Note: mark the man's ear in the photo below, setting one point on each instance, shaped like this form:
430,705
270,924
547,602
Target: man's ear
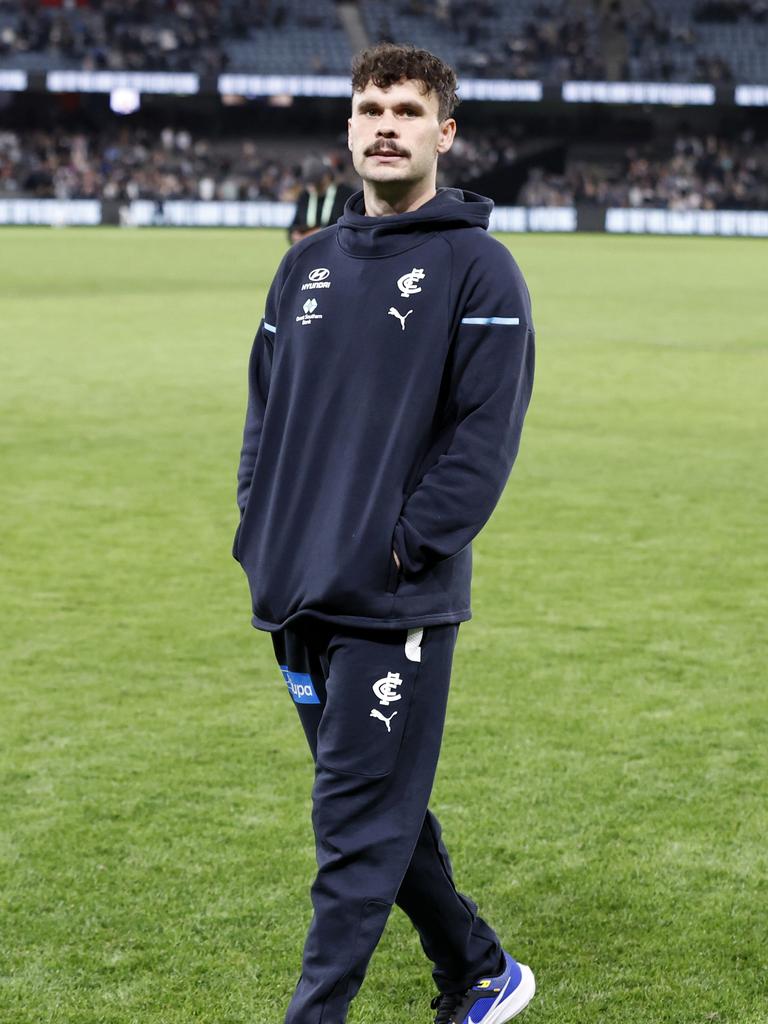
447,135
349,134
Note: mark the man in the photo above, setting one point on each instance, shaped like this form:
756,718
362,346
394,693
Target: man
320,203
387,388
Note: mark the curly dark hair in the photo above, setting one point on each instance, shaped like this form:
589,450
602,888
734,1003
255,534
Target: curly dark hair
388,63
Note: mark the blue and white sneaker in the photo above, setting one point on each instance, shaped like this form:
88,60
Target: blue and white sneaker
490,1000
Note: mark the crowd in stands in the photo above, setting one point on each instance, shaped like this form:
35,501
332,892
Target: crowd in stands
706,173
661,47
173,165
242,16
473,154
546,39
141,35
136,164
554,41
648,40
698,173
551,47
176,35
130,35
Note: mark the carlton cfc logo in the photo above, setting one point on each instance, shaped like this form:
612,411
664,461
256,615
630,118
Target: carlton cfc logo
408,282
385,688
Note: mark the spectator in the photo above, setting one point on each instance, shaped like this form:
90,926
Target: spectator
320,202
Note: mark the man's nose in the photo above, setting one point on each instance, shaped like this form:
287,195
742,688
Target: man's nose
387,126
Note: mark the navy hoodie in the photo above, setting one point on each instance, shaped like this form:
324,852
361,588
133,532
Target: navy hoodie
388,383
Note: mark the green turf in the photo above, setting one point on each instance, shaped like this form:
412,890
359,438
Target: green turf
603,778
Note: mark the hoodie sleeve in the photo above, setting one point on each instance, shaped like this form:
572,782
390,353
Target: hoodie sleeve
491,378
259,372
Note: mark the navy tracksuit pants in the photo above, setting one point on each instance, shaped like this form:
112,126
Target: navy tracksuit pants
372,704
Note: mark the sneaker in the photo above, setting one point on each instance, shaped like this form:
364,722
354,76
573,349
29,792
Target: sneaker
490,1000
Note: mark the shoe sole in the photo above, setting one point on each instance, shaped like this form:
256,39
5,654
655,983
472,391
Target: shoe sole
517,1001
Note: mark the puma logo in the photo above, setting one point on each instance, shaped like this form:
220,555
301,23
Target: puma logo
375,713
393,312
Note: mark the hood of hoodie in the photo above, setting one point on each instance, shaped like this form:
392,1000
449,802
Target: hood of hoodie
374,237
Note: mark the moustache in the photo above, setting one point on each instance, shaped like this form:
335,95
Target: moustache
385,147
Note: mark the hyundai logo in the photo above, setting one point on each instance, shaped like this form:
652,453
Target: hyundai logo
318,274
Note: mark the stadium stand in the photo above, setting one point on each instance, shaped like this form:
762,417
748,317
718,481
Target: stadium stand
678,40
288,36
138,164
689,172
112,34
696,173
551,40
175,35
530,39
172,164
233,149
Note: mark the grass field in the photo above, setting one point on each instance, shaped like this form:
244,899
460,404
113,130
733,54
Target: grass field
602,785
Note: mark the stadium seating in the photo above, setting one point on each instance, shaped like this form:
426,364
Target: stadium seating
675,40
297,40
688,46
493,40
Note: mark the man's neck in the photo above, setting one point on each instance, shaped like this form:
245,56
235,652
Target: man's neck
383,201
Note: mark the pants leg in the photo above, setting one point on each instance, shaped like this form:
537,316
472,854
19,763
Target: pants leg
373,713
461,945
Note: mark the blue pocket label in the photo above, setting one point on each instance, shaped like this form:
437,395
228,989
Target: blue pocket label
300,686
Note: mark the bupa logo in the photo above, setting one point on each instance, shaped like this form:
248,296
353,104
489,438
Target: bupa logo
317,278
300,686
408,283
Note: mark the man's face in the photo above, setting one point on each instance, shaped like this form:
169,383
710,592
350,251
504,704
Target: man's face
395,135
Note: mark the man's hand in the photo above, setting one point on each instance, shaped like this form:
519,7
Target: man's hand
397,560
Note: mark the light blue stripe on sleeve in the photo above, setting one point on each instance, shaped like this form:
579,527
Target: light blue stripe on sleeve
269,327
491,320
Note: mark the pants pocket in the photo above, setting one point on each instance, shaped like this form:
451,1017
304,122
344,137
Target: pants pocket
369,691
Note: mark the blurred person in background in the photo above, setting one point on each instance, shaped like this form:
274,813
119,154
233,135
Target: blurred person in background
321,201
